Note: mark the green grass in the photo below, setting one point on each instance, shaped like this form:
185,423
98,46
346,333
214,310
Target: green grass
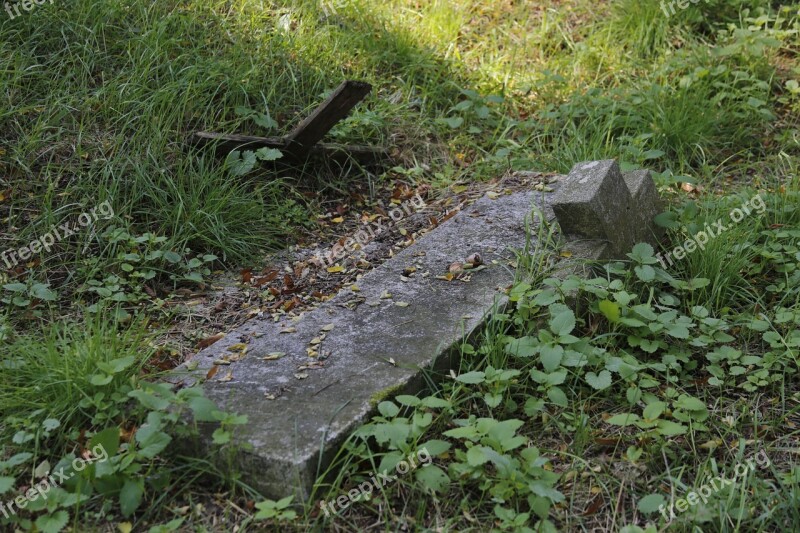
98,100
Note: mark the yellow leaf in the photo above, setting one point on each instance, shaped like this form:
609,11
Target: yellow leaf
238,347
327,327
337,268
493,195
125,527
337,220
565,253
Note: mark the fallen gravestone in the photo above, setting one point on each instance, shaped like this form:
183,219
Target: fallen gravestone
379,341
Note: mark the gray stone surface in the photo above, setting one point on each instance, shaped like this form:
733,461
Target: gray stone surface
301,408
376,350
597,203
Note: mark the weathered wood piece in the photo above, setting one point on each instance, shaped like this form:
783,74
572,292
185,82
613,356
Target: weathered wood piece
225,144
303,141
311,130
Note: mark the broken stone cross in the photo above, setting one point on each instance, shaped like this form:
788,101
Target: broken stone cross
610,209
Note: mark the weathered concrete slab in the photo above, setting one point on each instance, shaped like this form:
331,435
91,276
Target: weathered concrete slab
598,204
379,341
375,350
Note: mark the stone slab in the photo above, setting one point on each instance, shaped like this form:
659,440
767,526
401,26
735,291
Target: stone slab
375,348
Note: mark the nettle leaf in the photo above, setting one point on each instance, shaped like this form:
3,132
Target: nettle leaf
642,253
669,428
645,272
679,331
452,122
435,447
690,403
650,503
599,381
551,355
388,409
241,163
523,347
432,478
667,219
6,484
563,323
623,419
472,377
654,410
52,523
268,154
558,397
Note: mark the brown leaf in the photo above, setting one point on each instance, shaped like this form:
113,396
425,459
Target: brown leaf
212,372
208,341
247,275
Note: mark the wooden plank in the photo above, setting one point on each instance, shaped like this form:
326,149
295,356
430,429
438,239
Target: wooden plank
225,144
311,130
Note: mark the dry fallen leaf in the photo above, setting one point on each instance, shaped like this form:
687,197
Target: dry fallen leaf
327,327
227,377
337,268
385,295
208,341
273,356
238,347
401,304
301,375
337,220
212,372
291,329
315,340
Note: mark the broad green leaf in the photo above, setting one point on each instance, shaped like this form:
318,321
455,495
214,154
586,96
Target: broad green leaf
130,497
551,356
563,323
268,154
108,439
623,419
599,382
388,409
472,377
6,484
610,310
432,478
654,410
52,523
650,503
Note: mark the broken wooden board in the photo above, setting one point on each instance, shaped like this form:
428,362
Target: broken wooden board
304,141
225,144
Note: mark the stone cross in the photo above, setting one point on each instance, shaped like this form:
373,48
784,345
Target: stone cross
599,203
